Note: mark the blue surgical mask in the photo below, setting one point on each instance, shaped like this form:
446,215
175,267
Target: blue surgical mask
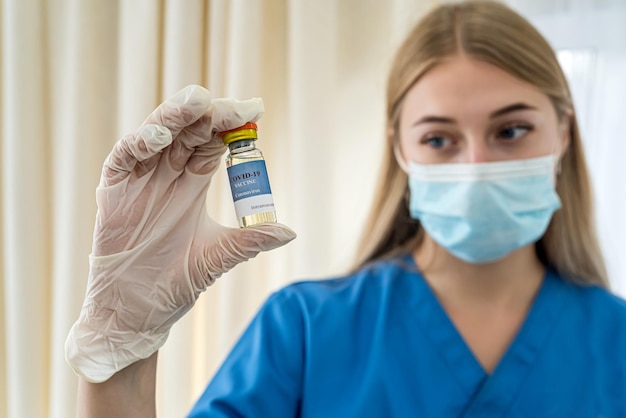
483,211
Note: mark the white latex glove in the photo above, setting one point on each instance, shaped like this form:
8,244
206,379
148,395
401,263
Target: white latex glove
155,248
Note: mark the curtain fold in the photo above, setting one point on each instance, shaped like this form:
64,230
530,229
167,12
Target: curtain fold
77,75
589,35
3,354
26,224
82,58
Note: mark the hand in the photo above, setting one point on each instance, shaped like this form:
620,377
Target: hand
155,248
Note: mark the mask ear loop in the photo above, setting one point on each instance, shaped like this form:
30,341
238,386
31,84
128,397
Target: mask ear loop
556,165
403,167
558,154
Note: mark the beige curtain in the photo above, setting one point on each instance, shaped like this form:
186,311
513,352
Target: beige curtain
77,74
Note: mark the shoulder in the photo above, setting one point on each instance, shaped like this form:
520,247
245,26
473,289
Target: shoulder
605,302
596,303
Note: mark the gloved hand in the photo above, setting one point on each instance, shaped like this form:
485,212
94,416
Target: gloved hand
155,248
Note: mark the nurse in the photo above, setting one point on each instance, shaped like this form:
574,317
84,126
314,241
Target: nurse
480,289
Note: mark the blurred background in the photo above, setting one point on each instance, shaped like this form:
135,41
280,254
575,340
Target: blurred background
78,74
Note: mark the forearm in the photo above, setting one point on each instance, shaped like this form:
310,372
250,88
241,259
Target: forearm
128,393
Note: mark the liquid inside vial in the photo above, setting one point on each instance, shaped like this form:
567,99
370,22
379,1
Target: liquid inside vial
245,168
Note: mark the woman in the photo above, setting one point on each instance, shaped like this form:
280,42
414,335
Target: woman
480,289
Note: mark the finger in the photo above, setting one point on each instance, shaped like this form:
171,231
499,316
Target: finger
199,146
182,109
206,158
190,138
132,150
230,113
222,115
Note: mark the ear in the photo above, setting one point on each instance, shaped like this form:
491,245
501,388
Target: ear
393,142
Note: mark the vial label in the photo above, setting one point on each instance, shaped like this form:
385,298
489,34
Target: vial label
250,188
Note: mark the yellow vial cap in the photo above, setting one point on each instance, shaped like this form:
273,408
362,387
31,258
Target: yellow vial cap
247,131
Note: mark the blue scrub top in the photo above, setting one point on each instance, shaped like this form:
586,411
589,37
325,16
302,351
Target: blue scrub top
379,344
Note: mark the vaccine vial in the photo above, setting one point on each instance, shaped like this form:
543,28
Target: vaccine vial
247,174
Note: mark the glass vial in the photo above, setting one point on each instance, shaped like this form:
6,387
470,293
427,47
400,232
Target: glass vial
247,175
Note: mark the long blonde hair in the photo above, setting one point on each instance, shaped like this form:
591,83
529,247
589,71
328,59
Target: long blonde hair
493,33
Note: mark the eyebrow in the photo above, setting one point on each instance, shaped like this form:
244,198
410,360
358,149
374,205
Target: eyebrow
507,109
511,108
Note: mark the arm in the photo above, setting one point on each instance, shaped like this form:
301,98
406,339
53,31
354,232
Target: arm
128,393
261,376
156,248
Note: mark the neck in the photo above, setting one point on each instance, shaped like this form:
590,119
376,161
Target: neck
511,281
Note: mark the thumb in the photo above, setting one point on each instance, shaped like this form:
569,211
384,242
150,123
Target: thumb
262,237
236,245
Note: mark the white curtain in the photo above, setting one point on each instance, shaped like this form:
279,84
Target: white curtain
77,74
590,37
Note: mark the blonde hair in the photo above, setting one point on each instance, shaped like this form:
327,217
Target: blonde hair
493,33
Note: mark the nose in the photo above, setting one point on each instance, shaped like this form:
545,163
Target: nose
477,151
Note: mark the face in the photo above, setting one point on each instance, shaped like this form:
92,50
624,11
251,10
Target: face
469,111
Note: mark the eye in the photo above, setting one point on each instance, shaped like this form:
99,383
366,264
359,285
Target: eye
436,141
514,132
